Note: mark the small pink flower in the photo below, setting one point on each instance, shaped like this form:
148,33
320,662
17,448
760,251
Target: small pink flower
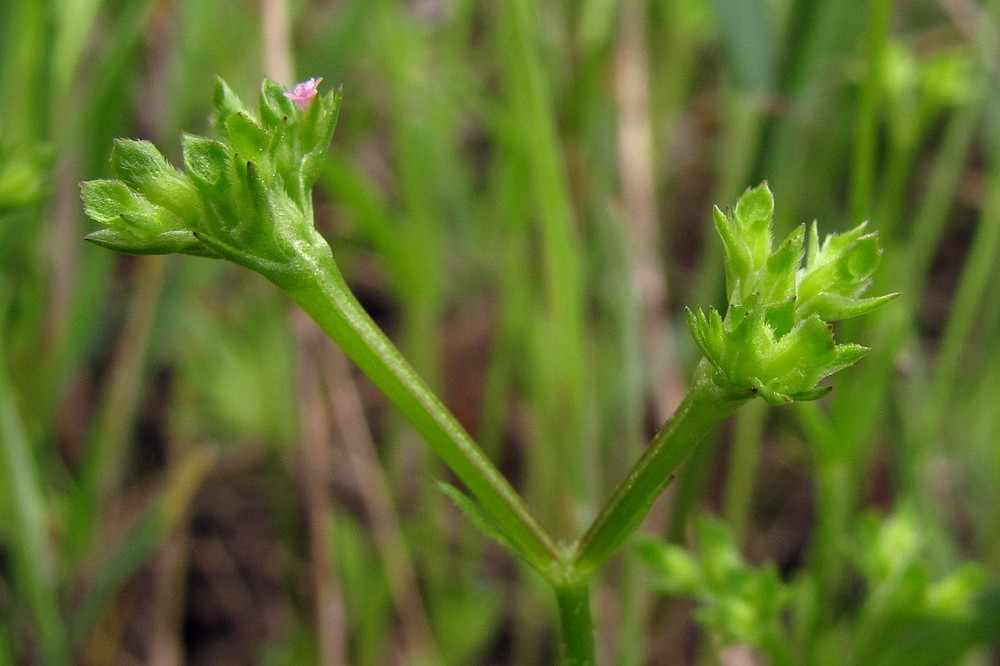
303,92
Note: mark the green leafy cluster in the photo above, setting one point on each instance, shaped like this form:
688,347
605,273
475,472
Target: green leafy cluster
246,198
891,554
741,603
776,340
909,614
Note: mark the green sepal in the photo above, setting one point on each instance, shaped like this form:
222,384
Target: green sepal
168,242
277,218
135,163
134,224
141,167
249,139
104,200
708,333
208,163
316,131
274,106
225,103
782,265
221,182
752,217
835,307
320,120
781,316
737,254
838,272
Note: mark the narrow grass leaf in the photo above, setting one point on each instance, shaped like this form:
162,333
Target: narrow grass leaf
148,533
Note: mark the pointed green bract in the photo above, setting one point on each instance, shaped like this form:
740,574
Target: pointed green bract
482,520
275,108
134,224
208,162
836,274
141,167
245,197
775,340
225,103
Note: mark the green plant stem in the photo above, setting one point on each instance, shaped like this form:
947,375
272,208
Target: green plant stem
704,406
321,291
576,624
836,497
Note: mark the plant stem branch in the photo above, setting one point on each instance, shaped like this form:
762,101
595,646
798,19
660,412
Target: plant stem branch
320,289
704,406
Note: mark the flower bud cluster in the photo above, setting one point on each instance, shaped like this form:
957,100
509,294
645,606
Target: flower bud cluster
246,198
776,340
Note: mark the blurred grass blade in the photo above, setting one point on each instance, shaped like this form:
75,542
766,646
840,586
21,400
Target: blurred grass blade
29,520
7,655
23,27
73,25
558,336
147,534
749,37
107,443
973,289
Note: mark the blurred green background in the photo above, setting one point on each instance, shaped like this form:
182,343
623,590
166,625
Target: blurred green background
521,194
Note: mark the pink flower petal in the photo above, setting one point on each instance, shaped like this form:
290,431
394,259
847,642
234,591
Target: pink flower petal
303,92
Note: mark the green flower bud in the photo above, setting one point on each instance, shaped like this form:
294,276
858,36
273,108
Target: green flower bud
775,340
246,197
751,265
134,224
837,274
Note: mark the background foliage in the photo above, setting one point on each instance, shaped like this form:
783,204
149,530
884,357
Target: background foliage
521,194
